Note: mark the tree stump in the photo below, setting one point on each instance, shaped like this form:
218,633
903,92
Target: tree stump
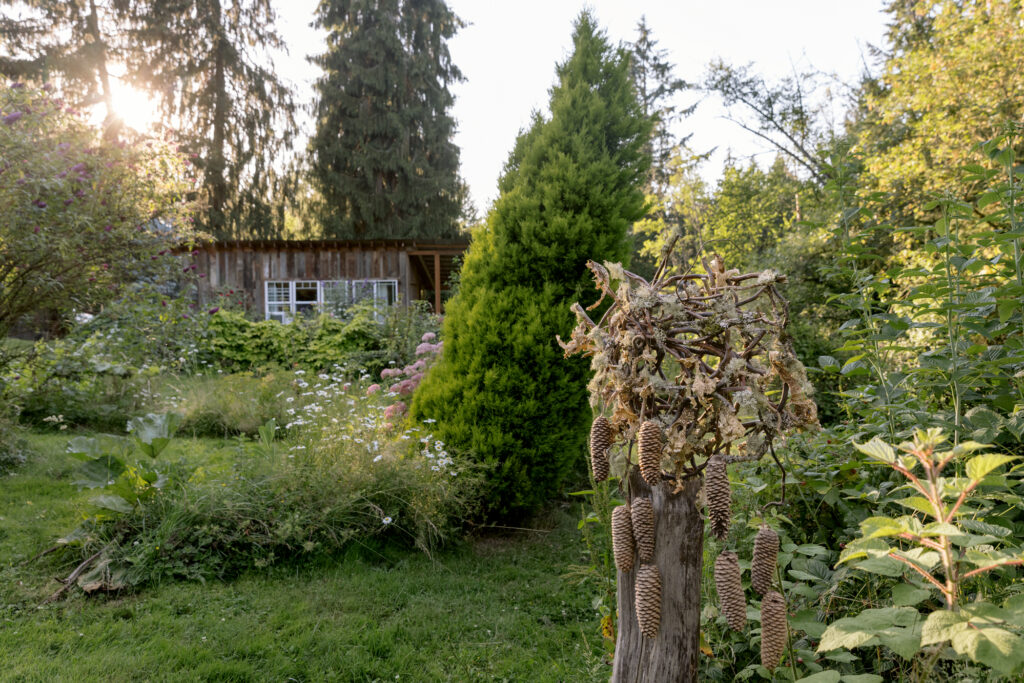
679,554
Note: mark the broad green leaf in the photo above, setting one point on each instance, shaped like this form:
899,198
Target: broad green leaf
153,432
1014,608
115,503
828,676
905,595
862,678
84,448
941,529
898,628
807,621
984,557
921,557
878,449
98,472
918,503
995,647
981,465
1006,308
864,547
881,527
941,625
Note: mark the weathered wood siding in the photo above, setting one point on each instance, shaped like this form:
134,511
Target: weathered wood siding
246,266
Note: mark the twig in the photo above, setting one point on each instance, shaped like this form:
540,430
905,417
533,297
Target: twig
73,576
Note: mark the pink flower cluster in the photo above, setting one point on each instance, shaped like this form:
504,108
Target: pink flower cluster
409,377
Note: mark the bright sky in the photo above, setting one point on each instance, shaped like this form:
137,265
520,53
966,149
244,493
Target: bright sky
509,50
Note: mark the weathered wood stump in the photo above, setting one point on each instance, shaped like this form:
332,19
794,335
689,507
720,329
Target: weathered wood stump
679,543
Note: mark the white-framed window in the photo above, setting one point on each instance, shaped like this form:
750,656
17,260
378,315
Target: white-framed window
286,299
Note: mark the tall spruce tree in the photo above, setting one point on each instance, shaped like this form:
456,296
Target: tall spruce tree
572,186
236,115
382,155
657,86
208,62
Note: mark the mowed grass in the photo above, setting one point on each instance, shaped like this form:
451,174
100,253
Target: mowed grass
494,608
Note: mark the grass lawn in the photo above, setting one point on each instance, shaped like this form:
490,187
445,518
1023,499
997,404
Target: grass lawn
492,609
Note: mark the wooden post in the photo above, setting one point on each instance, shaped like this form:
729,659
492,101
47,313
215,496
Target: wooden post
671,657
437,283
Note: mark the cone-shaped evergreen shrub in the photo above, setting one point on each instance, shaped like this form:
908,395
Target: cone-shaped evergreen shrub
572,186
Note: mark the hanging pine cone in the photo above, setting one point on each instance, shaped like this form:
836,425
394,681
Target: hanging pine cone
643,528
718,496
622,538
648,599
649,445
773,630
600,442
762,567
730,590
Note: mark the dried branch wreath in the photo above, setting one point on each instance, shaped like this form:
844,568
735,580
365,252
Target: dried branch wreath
694,360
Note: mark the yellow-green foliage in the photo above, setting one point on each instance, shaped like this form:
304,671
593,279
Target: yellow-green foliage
322,342
502,391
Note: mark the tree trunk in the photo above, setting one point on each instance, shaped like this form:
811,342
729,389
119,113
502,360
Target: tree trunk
678,554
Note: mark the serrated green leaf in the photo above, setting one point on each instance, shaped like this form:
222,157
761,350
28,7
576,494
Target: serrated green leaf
877,449
979,466
110,502
898,628
98,472
881,527
905,595
918,503
941,625
995,647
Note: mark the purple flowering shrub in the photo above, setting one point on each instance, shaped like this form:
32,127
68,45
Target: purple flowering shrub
80,215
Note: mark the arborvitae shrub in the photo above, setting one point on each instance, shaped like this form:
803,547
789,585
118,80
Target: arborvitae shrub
502,391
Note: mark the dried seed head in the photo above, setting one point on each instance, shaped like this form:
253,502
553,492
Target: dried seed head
762,567
622,538
648,599
718,495
600,442
649,443
730,590
773,630
643,528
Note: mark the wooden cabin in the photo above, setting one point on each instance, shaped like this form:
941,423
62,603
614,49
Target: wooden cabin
284,278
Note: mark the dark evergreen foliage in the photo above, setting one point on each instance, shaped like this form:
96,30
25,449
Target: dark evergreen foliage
572,186
209,62
45,39
382,155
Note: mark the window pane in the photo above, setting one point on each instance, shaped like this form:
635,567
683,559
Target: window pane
305,291
387,292
279,312
362,290
277,292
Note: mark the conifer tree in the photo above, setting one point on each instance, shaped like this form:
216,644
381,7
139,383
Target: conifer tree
236,115
382,155
572,186
207,62
44,39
